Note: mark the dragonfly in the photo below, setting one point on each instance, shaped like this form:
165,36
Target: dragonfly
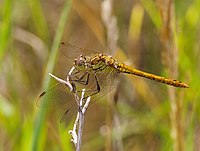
98,73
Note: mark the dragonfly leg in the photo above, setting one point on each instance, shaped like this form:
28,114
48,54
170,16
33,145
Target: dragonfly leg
92,91
81,79
84,80
73,72
97,84
70,112
75,77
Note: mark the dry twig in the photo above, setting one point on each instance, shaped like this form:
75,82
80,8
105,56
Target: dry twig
82,107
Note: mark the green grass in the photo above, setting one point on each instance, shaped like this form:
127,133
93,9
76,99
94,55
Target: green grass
5,26
50,67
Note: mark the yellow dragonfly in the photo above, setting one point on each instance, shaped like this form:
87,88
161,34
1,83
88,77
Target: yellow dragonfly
97,73
104,66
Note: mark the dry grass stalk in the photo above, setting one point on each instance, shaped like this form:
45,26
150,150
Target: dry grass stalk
170,60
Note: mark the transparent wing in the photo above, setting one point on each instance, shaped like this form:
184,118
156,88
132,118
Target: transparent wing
59,97
72,51
53,95
69,113
107,80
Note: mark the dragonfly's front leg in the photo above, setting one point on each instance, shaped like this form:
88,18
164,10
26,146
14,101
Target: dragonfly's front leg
92,92
83,79
75,75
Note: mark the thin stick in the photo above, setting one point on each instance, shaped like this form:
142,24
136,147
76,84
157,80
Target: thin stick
79,122
67,83
73,132
82,110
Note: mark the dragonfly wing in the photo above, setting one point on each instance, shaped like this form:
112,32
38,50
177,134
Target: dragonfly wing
72,51
53,95
69,114
59,96
106,79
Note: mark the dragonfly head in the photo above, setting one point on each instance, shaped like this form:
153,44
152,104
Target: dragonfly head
80,61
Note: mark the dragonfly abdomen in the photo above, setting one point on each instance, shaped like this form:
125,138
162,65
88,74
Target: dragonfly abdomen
126,69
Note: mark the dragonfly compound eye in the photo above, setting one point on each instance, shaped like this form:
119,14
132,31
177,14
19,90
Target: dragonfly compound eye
79,61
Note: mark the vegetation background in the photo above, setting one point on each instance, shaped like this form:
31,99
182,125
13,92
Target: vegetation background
160,37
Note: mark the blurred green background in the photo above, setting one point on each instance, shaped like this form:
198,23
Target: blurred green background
161,37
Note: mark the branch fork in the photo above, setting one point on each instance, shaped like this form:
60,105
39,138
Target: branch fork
82,105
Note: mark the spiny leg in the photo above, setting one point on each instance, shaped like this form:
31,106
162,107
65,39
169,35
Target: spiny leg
93,91
84,82
75,77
